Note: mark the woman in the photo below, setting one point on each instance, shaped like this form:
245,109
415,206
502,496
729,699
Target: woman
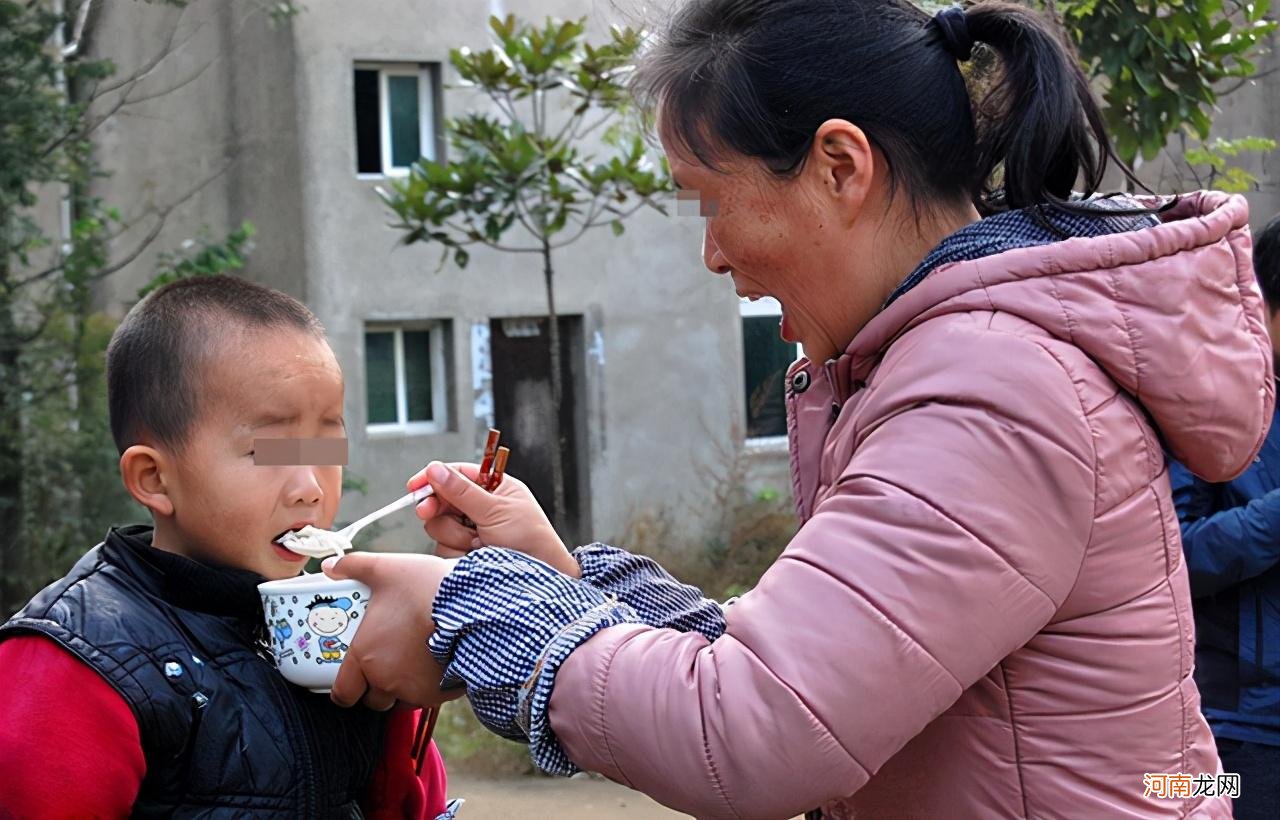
985,612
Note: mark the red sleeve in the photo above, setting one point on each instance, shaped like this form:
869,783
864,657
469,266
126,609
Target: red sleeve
396,792
69,744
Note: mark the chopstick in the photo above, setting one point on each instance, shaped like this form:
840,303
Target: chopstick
490,452
487,462
499,469
422,737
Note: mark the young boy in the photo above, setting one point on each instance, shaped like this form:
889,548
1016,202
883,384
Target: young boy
140,682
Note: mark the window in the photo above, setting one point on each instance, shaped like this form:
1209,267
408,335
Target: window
765,359
406,388
395,117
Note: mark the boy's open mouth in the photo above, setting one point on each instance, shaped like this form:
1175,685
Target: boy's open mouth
283,537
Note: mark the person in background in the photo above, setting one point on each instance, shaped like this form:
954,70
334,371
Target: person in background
1231,537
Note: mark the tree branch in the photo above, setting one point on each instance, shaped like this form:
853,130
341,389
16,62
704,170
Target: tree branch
169,48
1243,81
586,226
579,135
161,214
570,128
28,338
127,85
183,84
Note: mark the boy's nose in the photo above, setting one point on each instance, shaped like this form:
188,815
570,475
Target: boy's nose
305,488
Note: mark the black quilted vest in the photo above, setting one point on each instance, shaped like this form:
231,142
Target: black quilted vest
223,733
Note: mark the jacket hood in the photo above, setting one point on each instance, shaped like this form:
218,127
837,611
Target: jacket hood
1172,313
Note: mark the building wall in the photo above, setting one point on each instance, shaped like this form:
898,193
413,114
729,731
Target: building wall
660,318
276,106
265,123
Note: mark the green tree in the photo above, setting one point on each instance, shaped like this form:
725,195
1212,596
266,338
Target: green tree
532,170
58,482
1162,66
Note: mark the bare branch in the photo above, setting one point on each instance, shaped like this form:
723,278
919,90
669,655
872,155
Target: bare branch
1190,168
504,102
586,226
161,214
126,84
483,241
524,216
28,338
184,83
158,58
577,135
1243,81
570,127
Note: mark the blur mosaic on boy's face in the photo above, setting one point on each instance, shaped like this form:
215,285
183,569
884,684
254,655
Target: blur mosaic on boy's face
229,509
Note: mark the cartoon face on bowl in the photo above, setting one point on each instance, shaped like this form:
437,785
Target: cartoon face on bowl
329,618
311,620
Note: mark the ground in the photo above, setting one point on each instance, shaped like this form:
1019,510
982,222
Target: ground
533,798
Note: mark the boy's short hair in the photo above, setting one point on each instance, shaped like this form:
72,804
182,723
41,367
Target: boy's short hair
156,354
1266,262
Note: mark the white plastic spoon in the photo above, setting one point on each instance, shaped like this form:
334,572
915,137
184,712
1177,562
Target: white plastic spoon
317,543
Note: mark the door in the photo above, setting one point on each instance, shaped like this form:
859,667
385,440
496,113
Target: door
520,350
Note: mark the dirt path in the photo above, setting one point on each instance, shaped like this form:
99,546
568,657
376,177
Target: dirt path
535,798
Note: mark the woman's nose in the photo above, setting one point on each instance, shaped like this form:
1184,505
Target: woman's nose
711,255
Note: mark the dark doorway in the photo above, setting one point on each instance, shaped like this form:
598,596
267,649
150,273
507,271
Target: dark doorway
520,350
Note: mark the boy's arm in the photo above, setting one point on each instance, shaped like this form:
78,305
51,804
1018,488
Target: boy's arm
396,791
69,744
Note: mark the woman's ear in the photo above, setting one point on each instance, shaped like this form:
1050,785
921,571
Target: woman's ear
143,470
845,162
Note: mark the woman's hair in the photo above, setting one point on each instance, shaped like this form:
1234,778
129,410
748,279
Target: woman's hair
1266,262
758,77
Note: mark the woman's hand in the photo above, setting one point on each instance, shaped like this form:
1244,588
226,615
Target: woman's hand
508,517
388,660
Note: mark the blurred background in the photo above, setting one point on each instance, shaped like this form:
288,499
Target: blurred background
460,192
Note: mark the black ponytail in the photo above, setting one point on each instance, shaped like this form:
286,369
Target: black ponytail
758,77
1039,124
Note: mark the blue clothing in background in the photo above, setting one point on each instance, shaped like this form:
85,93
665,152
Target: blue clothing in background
1231,538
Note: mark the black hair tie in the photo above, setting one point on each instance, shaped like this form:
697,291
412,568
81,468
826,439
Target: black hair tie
955,32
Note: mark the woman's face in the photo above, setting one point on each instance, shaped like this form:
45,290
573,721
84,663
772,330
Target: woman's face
797,239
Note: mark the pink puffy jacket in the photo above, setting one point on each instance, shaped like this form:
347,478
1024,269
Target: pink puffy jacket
985,613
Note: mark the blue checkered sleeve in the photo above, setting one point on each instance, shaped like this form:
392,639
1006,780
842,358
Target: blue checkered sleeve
657,597
505,623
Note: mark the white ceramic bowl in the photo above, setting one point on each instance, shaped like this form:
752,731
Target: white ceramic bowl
311,620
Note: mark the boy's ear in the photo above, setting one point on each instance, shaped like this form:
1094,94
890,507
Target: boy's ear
143,470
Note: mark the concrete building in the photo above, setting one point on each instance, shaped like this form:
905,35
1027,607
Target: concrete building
293,127
274,124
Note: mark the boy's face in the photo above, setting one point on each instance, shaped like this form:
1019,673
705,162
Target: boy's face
227,509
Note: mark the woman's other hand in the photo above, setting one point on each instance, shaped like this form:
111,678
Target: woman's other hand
388,659
508,517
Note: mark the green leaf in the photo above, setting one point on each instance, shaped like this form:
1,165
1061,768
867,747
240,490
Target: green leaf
461,257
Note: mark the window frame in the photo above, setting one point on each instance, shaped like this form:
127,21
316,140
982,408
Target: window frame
439,380
427,147
762,308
